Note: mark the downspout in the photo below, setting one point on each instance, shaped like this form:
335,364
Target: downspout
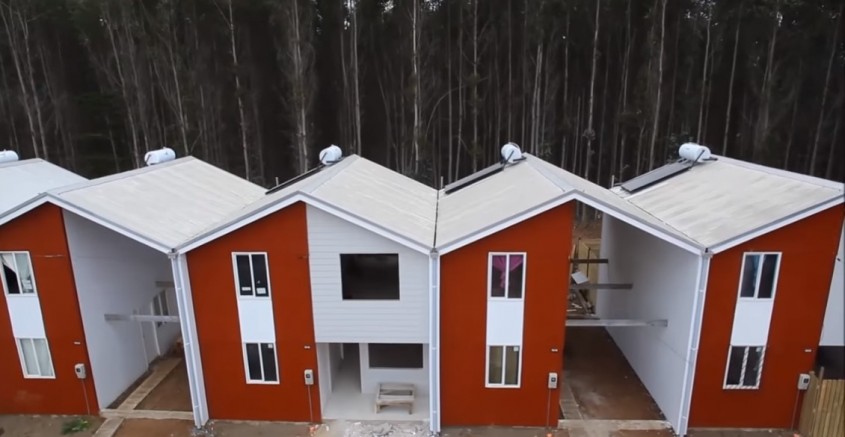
196,385
434,341
694,340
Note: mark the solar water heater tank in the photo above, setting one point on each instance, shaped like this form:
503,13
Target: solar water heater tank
511,153
8,156
154,157
694,152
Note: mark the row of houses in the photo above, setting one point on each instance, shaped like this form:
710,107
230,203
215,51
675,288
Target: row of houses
352,284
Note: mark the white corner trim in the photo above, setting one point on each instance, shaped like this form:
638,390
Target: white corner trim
786,221
434,343
693,343
193,361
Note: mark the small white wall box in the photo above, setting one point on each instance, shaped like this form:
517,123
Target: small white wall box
309,377
803,381
80,371
552,379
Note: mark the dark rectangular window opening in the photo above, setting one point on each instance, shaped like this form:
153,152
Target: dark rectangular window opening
370,276
395,356
261,362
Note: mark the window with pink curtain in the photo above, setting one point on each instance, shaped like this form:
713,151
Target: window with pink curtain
506,275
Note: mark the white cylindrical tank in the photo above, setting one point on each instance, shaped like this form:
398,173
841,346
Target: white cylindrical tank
693,152
164,154
330,155
8,156
511,152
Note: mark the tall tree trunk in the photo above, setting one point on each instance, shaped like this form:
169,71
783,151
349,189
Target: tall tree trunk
564,112
238,92
762,127
656,115
698,135
589,133
833,45
831,152
731,82
415,31
474,98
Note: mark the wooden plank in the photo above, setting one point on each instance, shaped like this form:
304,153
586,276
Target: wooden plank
615,322
808,405
589,261
141,318
589,286
821,411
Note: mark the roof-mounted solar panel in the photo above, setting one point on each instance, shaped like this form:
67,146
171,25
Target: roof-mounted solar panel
473,178
655,176
295,179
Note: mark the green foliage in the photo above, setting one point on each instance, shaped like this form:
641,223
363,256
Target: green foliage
75,425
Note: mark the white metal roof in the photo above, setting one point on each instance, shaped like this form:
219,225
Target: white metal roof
164,204
362,190
20,181
528,187
720,201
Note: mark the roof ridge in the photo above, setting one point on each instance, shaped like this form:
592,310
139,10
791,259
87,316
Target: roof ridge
783,173
122,175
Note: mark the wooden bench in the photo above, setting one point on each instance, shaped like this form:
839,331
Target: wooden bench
392,393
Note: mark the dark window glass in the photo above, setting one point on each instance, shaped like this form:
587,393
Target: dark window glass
370,276
512,365
244,275
268,356
253,361
735,366
498,267
516,267
494,369
767,276
259,272
752,366
395,356
11,280
749,275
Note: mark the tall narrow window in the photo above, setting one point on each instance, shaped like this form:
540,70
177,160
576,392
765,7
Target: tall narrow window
759,275
35,358
251,274
261,362
17,275
160,306
503,366
507,278
745,367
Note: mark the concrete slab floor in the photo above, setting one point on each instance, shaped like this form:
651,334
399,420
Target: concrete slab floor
603,383
171,394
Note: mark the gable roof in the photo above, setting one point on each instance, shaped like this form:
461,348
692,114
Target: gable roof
23,180
161,205
527,188
357,190
721,203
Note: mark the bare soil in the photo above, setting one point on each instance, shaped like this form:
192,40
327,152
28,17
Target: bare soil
493,431
43,426
604,384
171,394
149,427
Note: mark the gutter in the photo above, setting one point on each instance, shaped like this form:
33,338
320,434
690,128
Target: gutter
696,322
434,328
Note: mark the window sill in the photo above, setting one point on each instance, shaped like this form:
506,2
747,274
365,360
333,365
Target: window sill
263,382
38,377
502,386
741,387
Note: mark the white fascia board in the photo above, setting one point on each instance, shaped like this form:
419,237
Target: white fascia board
613,212
309,200
693,343
503,224
763,230
61,203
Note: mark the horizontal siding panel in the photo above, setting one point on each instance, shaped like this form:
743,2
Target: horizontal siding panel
335,320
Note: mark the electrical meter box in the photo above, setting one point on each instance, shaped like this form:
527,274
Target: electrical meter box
80,371
552,379
803,381
309,377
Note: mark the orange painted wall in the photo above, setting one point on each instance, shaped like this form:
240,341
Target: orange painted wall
42,233
465,400
283,235
809,248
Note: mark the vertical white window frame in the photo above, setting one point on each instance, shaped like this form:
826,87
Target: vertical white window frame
29,343
261,363
507,275
487,382
759,276
160,306
740,386
236,275
14,255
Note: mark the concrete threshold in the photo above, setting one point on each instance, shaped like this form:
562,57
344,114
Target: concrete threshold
613,425
147,414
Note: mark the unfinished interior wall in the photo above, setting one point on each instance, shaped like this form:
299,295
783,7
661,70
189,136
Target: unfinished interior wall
324,373
663,278
113,275
371,377
359,321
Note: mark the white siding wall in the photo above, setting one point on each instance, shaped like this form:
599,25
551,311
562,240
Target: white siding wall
363,321
370,378
324,373
833,330
664,279
114,275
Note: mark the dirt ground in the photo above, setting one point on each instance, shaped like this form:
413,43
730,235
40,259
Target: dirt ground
42,426
172,394
604,385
